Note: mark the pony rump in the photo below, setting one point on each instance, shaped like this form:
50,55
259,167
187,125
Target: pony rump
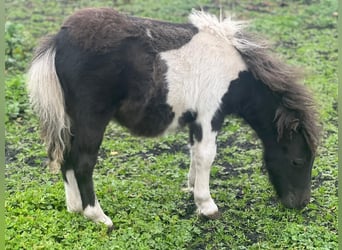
47,100
297,109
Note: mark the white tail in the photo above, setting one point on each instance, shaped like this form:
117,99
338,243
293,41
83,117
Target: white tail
47,100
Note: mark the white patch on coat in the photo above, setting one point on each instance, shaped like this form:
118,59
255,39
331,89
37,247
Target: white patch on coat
96,214
72,193
148,33
199,74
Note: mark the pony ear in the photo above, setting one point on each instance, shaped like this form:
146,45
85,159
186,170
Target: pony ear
294,125
287,122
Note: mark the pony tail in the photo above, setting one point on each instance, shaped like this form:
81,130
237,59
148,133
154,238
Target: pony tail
47,100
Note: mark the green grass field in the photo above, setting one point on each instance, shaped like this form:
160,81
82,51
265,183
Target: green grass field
139,181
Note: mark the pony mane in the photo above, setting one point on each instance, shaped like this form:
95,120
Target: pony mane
297,108
225,29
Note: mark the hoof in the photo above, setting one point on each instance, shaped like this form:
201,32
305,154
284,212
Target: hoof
110,229
208,209
96,214
213,216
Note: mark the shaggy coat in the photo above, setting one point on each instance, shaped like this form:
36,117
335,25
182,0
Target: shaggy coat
153,76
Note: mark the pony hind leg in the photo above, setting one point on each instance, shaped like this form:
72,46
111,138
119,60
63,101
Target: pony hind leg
72,192
78,169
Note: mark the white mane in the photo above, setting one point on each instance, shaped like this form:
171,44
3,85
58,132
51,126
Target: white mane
227,28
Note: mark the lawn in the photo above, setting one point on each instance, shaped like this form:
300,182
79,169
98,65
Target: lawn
139,181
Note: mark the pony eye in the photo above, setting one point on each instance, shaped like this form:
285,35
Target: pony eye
298,162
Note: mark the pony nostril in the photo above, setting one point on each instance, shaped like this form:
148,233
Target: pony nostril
303,203
291,201
298,162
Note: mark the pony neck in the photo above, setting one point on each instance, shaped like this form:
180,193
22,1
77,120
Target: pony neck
252,100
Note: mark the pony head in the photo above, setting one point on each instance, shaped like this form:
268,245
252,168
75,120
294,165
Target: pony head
289,164
290,149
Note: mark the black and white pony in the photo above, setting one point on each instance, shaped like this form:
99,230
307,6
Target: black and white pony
153,76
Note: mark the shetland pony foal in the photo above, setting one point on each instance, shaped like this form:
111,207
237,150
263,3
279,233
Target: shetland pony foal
151,76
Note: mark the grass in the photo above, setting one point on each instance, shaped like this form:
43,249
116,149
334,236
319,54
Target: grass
139,181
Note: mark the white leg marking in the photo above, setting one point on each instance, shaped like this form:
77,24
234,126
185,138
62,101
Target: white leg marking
96,214
204,153
72,193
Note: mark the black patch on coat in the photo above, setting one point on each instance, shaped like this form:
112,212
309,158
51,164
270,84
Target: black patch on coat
187,118
144,110
164,35
103,29
253,101
195,129
195,132
108,64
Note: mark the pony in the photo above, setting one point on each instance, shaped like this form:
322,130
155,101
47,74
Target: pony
153,76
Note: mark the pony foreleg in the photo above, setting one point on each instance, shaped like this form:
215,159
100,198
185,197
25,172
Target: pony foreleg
192,173
203,154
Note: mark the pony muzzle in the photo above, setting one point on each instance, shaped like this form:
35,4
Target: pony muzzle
296,200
